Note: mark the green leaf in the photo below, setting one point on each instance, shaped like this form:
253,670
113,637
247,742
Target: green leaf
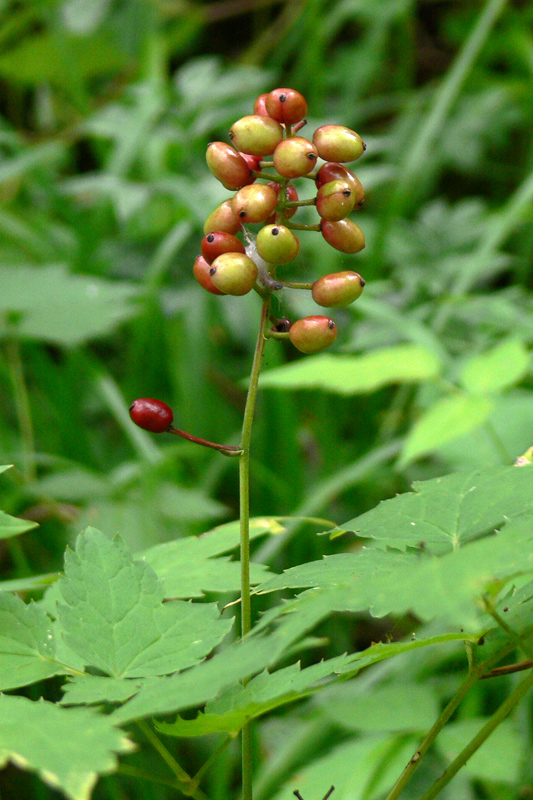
115,619
89,689
394,707
500,757
189,567
27,644
68,748
12,526
445,421
51,304
349,375
450,510
496,369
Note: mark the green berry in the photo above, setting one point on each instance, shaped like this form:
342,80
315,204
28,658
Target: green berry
201,271
335,200
228,166
223,218
295,157
337,143
218,242
332,171
254,203
277,244
313,334
256,135
343,235
233,273
338,289
286,105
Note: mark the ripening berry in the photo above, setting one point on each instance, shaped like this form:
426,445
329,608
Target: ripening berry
344,235
337,143
332,171
286,105
254,162
218,242
228,166
254,203
223,218
260,106
152,415
256,135
283,325
277,244
201,273
338,289
335,200
295,157
233,273
313,334
292,195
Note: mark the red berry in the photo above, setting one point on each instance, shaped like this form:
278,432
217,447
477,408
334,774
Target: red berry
152,415
254,162
337,143
260,107
313,334
256,135
201,273
338,289
343,235
286,105
218,242
335,200
254,203
295,157
332,171
228,166
223,218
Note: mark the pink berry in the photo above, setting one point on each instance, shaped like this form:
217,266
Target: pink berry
313,334
343,235
338,289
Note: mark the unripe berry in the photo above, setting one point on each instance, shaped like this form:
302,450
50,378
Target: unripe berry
254,203
291,194
223,218
228,166
277,244
295,157
201,273
332,171
313,334
233,273
152,415
338,289
344,235
286,105
256,135
337,143
335,200
218,242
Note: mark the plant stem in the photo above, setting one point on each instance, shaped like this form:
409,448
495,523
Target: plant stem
22,407
473,676
225,449
504,710
244,496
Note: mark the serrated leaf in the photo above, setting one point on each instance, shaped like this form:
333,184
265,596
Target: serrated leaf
189,567
27,645
68,748
115,619
445,421
349,375
450,510
90,689
12,526
497,369
53,305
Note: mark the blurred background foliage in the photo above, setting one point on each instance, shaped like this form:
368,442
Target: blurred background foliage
106,108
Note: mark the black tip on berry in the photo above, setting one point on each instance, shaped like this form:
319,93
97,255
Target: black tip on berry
347,192
132,405
212,270
311,157
331,324
282,97
242,214
231,135
210,237
363,282
275,231
364,146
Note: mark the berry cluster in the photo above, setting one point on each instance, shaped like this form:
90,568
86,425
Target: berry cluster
228,265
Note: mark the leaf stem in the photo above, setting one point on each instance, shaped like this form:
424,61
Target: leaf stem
244,496
225,449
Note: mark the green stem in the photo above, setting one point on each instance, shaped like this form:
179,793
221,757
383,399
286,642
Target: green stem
244,495
297,285
187,784
296,227
22,407
504,710
473,676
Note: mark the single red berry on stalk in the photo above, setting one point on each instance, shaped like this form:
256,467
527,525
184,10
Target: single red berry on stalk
218,242
295,157
152,415
286,105
313,334
228,166
343,235
338,289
